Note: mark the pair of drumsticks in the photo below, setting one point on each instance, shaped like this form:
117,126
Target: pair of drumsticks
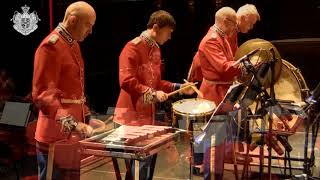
192,85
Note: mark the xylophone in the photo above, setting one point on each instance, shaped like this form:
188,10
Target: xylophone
129,135
135,142
130,143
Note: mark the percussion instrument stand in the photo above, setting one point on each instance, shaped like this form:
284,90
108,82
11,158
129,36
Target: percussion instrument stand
306,164
266,101
287,157
315,128
191,158
246,113
272,102
309,162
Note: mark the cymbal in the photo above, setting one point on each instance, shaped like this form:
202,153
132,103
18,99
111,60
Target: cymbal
262,56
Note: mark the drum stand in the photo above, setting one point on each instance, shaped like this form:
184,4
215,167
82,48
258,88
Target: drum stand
266,101
191,151
189,131
189,127
314,118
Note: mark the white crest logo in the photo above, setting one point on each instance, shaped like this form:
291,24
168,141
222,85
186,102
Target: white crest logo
25,23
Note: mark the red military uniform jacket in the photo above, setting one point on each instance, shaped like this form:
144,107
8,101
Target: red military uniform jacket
233,41
139,71
216,59
58,84
195,73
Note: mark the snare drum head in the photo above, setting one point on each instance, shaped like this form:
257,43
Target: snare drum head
193,106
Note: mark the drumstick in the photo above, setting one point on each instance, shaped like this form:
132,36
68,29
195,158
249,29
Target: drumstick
183,88
195,89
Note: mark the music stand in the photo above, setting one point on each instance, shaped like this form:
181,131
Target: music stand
16,114
312,110
216,130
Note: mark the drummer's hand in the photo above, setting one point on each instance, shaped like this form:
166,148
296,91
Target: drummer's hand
161,96
84,130
236,106
96,123
187,91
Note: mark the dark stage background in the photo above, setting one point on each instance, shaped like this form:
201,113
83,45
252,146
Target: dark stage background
119,21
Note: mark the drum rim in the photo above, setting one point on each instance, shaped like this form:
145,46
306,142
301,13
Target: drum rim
297,74
193,114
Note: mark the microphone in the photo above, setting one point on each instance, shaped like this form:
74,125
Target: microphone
255,87
314,95
246,56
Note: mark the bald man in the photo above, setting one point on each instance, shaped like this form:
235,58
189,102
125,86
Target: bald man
58,85
216,57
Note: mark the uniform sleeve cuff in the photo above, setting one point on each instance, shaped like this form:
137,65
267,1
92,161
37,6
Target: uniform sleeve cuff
177,86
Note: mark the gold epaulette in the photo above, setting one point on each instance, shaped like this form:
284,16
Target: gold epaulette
53,39
214,35
136,40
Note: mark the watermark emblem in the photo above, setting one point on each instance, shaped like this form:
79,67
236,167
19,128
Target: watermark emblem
26,22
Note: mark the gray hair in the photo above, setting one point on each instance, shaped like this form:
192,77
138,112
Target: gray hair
248,9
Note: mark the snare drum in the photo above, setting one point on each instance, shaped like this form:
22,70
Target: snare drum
191,114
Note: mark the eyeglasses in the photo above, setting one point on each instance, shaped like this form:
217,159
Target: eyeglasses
233,22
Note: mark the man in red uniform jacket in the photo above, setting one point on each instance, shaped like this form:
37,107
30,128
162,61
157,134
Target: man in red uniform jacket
140,73
216,62
216,57
58,81
247,16
140,78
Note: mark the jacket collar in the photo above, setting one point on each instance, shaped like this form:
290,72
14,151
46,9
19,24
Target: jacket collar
150,42
64,33
219,31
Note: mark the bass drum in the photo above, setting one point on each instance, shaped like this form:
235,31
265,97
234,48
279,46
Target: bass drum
290,89
291,85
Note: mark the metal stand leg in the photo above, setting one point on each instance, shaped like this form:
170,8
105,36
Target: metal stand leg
152,166
289,161
116,168
315,128
306,159
261,159
191,156
128,167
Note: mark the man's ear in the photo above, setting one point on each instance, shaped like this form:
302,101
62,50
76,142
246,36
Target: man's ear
73,19
156,27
